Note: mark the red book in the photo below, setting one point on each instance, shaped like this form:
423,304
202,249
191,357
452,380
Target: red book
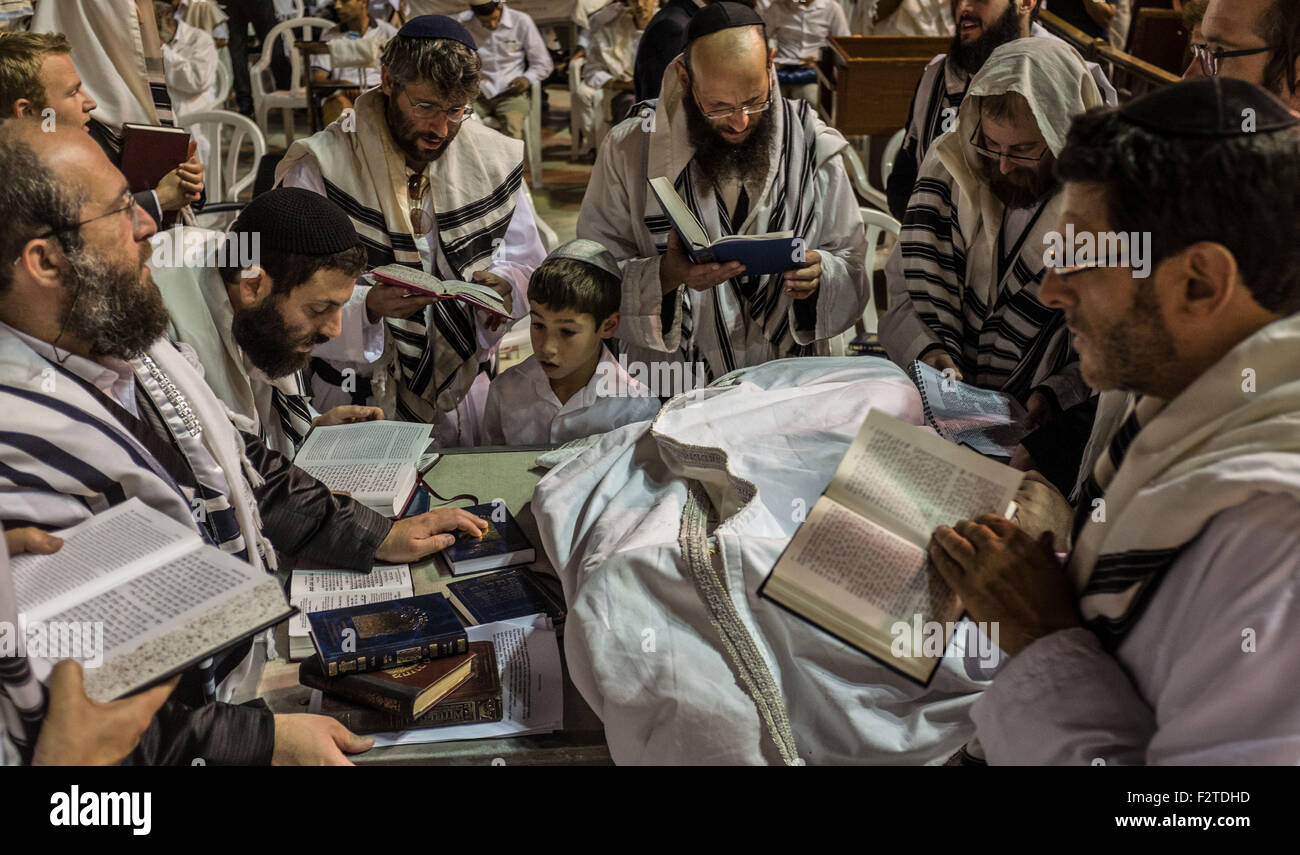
151,151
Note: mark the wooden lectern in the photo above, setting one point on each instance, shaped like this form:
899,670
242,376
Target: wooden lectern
867,82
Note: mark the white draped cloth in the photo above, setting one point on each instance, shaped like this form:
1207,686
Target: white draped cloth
644,644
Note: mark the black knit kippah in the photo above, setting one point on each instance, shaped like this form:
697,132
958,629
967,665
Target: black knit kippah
296,221
437,27
720,16
1216,107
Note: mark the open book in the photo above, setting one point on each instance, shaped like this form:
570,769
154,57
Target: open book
986,420
152,596
474,294
761,254
374,462
857,566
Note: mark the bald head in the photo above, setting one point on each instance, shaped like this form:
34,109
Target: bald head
729,51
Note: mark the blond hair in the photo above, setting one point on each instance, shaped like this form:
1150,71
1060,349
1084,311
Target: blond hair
22,55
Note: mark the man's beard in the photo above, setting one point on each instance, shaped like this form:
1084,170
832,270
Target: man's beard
1016,191
267,341
971,58
110,307
1138,351
722,160
405,135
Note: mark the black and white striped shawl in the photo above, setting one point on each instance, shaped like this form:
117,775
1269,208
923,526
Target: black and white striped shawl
790,201
474,187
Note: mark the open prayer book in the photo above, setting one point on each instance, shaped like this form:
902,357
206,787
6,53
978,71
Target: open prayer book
375,463
776,252
474,294
858,568
145,593
986,420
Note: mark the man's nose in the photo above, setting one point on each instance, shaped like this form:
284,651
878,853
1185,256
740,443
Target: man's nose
145,227
1054,292
334,325
1005,164
1193,70
738,122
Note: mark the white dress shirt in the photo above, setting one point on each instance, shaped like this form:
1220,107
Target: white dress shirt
800,31
514,49
190,67
355,58
522,408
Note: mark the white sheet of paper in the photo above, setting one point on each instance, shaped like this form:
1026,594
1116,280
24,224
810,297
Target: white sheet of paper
532,685
320,590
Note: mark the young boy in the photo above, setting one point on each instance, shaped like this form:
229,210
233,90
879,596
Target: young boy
571,386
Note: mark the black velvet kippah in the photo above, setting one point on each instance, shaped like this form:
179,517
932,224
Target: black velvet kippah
437,27
297,221
720,16
1216,107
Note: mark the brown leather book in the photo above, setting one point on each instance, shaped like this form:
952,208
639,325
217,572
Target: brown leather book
407,690
475,701
151,151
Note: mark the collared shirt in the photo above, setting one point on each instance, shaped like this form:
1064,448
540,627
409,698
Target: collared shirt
800,31
514,49
522,408
354,57
114,377
190,63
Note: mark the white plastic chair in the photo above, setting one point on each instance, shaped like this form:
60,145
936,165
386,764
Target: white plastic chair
282,37
533,135
221,90
580,141
226,133
890,154
861,183
878,225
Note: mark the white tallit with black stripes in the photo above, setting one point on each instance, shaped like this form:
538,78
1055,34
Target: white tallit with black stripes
474,186
747,320
65,456
1234,433
949,281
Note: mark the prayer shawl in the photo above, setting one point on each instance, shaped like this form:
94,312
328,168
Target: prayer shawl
118,54
276,410
943,87
64,456
662,532
949,282
749,319
1231,435
474,186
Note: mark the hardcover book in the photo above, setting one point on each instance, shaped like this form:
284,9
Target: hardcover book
473,294
407,690
761,254
386,634
506,594
373,462
151,151
504,544
476,700
858,567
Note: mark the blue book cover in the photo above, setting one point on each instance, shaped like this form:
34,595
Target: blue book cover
762,255
387,634
503,595
504,544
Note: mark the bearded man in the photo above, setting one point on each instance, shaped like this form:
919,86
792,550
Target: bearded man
276,286
981,27
746,161
428,186
964,278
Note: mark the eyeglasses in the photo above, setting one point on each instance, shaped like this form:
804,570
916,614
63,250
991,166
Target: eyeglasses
715,115
128,204
1210,58
427,110
416,186
1053,264
977,144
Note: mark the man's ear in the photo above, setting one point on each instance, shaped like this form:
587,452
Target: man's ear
683,79
609,326
253,287
41,260
1209,277
386,81
24,108
771,56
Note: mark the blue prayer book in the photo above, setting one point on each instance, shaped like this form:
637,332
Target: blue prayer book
383,635
504,544
504,595
771,253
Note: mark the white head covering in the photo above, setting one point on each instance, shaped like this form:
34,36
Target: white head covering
588,252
